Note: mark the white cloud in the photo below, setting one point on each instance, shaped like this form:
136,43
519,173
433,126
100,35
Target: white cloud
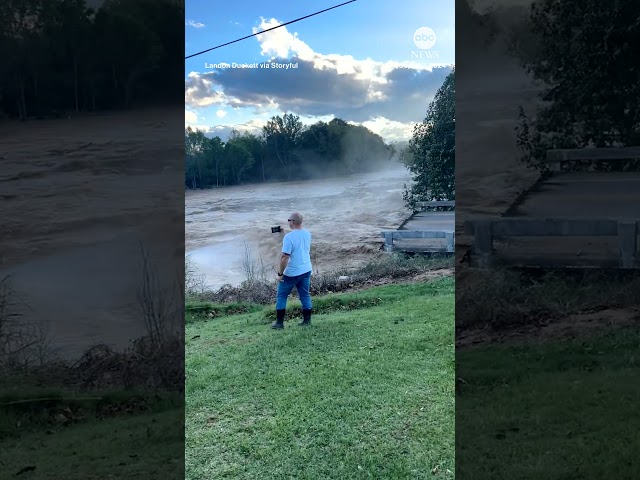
221,114
389,130
279,42
199,91
190,117
370,90
194,24
223,131
193,120
386,97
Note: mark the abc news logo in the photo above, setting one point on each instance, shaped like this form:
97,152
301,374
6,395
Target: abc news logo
424,38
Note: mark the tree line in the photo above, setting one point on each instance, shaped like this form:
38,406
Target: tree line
431,152
61,56
584,54
285,150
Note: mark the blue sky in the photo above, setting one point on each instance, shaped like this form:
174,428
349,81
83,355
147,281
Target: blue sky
358,62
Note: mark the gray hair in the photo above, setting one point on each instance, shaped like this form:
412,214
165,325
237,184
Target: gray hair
297,218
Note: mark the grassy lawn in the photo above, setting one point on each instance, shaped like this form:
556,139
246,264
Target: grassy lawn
366,392
133,447
109,415
561,410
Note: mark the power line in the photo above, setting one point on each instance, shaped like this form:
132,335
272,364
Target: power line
269,29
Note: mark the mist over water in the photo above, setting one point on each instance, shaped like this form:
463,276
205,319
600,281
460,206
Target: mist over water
345,217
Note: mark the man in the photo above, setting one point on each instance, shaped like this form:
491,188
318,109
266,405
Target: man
294,271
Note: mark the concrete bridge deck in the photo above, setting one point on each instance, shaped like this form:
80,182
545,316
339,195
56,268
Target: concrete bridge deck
585,195
576,219
437,230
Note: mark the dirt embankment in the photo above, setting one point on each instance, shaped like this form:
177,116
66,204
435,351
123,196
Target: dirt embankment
562,329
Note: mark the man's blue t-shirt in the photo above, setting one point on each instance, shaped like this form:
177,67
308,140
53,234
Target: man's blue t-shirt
297,244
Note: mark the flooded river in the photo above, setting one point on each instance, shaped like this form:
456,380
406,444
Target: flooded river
345,217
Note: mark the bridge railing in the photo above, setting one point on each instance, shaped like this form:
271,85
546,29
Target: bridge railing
391,235
555,158
484,231
436,203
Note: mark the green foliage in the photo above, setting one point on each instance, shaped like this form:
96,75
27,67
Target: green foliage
238,157
281,135
61,56
585,53
286,150
432,149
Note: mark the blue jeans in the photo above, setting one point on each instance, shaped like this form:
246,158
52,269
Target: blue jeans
302,283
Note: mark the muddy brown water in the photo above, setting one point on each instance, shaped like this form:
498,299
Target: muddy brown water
80,196
345,217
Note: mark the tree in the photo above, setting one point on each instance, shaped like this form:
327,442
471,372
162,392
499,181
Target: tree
61,56
318,150
315,139
579,46
281,135
256,147
432,149
238,156
362,149
214,162
194,153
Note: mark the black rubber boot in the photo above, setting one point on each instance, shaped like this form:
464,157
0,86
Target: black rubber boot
279,323
306,318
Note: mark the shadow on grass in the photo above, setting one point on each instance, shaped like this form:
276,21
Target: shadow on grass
554,400
554,410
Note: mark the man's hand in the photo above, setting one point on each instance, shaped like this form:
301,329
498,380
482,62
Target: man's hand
279,278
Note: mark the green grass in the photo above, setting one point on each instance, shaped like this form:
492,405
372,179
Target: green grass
90,435
560,410
125,447
366,392
205,310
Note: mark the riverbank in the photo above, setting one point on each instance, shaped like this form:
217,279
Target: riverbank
260,288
